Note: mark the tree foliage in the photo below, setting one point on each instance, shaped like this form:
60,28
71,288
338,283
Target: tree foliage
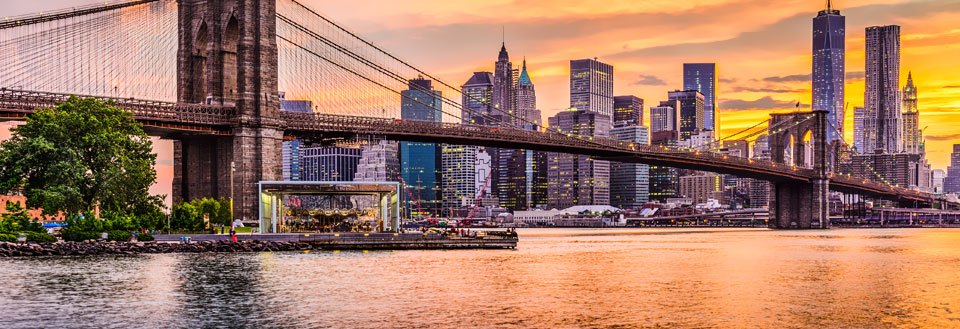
17,219
80,154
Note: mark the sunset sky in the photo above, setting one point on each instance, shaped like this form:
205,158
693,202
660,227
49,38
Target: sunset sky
762,49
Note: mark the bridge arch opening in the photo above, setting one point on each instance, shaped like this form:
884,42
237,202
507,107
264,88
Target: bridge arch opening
199,70
807,149
788,157
231,39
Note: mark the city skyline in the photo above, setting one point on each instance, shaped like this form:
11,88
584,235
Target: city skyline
776,79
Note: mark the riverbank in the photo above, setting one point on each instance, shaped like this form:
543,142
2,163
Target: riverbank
213,243
8,249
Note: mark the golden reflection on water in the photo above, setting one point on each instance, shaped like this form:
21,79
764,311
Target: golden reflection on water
557,278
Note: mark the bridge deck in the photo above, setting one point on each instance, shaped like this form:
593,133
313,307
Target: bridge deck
162,117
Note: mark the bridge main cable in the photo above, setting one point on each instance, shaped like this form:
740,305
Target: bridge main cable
13,22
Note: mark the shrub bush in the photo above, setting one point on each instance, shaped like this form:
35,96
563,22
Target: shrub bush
39,237
8,237
144,237
76,235
117,235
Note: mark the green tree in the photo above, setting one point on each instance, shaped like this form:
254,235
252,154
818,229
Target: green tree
185,216
80,154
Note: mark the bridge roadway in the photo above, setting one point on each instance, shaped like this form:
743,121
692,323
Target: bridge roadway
168,119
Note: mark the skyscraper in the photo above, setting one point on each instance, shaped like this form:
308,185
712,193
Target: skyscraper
951,184
459,176
690,110
504,92
627,110
477,97
664,117
509,183
629,182
912,135
829,44
420,163
578,179
527,99
859,113
883,120
663,180
702,77
535,162
591,86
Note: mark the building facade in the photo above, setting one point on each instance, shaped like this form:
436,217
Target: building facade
951,184
882,122
663,180
899,169
859,113
459,176
701,187
912,135
379,162
690,111
627,111
504,89
328,163
664,117
420,163
629,182
591,86
578,179
290,159
702,77
829,48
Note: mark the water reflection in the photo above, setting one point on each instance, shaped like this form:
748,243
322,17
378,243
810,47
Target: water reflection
556,278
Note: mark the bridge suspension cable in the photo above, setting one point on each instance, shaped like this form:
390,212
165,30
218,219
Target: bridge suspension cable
120,50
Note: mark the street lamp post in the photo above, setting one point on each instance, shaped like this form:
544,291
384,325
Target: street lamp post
233,167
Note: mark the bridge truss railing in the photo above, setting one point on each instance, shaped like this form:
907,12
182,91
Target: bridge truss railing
373,126
25,102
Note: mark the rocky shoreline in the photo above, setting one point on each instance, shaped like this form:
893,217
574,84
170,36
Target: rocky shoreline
9,249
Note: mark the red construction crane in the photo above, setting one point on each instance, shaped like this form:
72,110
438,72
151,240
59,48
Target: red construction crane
479,199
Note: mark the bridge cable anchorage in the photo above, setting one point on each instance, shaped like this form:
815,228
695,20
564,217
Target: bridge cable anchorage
514,116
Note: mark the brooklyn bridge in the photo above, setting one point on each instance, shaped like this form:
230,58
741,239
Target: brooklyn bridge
211,75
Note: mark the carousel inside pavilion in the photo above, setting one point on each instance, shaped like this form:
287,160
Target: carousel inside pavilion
329,207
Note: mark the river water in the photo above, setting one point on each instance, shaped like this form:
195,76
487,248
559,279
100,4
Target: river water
557,278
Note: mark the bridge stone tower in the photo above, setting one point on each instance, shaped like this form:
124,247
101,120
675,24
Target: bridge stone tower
800,139
228,56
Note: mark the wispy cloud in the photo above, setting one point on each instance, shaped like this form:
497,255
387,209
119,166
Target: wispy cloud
649,80
766,90
789,78
951,137
858,75
765,102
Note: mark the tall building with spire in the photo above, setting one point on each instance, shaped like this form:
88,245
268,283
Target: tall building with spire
535,182
882,121
829,44
912,135
504,94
